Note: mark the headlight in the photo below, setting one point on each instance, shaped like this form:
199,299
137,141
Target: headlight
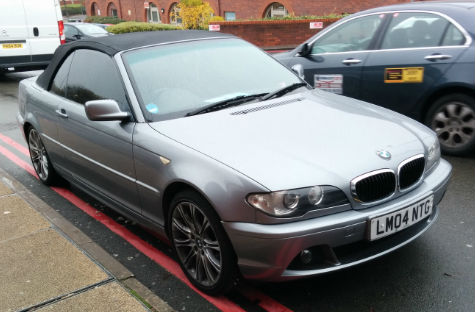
433,155
297,202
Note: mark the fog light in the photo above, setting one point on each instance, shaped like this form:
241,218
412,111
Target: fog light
306,256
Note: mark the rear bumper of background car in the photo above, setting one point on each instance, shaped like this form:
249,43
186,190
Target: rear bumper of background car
271,252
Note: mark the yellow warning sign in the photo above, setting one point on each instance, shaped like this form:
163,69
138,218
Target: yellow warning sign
404,75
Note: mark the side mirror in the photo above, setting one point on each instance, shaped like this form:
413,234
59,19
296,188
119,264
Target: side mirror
77,37
104,110
304,49
298,69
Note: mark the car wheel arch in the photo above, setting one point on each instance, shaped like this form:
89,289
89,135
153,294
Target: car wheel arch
440,92
26,128
174,188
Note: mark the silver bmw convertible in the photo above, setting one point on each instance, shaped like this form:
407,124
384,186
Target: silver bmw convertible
247,170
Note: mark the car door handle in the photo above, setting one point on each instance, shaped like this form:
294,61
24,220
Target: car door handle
351,61
436,57
62,113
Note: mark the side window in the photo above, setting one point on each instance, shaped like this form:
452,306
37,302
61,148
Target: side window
453,36
59,82
414,30
70,31
354,35
93,76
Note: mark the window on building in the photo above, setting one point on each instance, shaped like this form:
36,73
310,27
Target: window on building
112,10
175,18
230,16
153,15
276,9
94,9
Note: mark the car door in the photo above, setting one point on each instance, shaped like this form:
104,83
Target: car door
42,23
337,57
14,47
46,108
415,52
97,154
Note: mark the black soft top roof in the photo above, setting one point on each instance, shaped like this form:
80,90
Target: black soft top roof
114,44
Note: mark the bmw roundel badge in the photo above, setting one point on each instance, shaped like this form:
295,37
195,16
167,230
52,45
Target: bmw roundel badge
384,154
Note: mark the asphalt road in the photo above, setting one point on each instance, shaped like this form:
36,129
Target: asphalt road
434,273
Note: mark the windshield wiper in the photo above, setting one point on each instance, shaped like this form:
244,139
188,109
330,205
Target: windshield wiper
284,90
237,100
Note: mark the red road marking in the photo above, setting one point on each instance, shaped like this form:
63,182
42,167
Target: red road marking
264,301
222,303
15,145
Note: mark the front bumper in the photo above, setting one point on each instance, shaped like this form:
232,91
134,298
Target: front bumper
267,252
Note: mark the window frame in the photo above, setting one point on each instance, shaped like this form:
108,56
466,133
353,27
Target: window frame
50,85
449,20
120,75
468,38
373,42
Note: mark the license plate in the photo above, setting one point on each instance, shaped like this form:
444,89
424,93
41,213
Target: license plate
12,45
399,220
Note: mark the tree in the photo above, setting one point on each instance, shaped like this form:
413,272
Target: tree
195,14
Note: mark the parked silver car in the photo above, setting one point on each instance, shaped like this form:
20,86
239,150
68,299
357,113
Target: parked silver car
207,139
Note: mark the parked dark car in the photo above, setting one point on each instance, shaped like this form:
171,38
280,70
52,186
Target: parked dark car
76,31
415,58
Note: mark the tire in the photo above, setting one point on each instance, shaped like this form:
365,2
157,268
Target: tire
452,117
201,244
40,160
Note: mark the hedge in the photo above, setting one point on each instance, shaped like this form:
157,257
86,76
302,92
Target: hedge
128,27
73,9
293,17
103,20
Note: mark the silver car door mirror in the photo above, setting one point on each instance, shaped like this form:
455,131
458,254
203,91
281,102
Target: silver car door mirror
103,110
298,69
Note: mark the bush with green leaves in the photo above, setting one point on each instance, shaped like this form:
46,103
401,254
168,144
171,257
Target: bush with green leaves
103,20
73,9
128,27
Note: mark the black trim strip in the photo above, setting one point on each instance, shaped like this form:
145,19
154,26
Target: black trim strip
12,41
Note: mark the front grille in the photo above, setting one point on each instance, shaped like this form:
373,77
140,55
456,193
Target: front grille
374,185
410,171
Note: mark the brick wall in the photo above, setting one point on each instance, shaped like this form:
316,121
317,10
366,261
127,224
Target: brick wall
244,9
283,34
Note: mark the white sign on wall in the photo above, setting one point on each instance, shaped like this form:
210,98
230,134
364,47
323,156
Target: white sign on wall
316,25
214,27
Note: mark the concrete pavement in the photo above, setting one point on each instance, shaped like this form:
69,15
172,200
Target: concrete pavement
42,269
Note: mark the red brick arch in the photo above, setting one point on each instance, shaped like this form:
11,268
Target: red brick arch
94,7
117,7
145,17
285,3
170,10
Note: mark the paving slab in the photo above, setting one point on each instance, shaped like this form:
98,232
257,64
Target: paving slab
110,297
17,218
4,190
42,266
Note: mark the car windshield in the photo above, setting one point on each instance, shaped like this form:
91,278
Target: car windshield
91,30
176,79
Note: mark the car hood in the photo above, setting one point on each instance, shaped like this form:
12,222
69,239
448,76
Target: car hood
307,138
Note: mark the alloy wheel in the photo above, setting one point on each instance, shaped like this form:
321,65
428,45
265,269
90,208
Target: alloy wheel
196,243
454,124
38,155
